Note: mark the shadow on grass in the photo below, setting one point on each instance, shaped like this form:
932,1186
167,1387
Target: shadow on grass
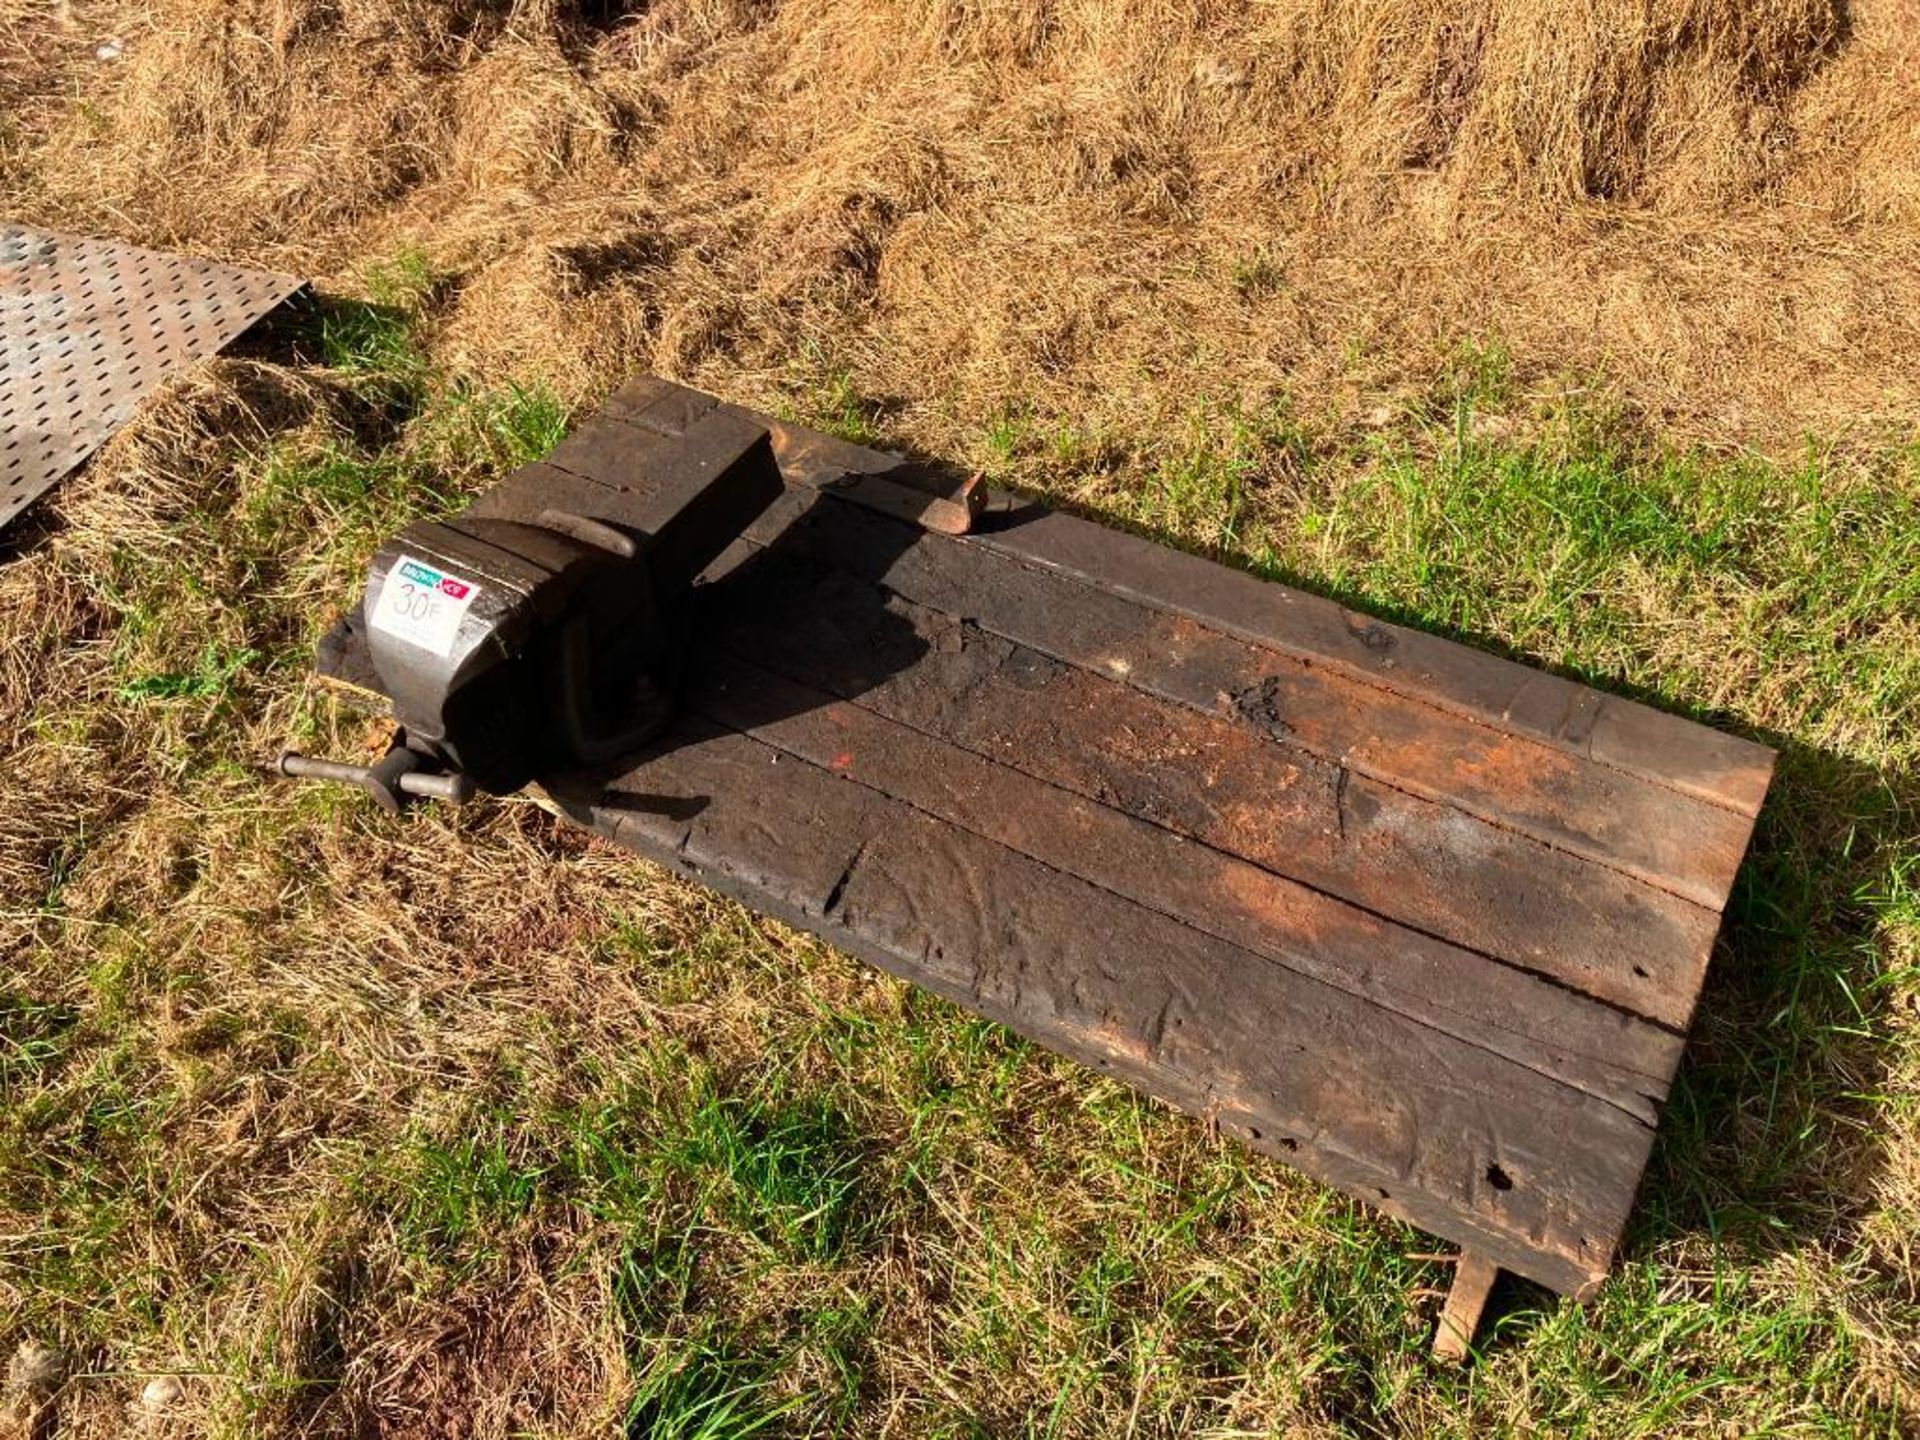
1767,1142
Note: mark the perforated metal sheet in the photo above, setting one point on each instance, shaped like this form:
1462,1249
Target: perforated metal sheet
90,327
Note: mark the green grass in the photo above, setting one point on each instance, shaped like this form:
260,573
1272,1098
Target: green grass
340,1112
784,1175
824,394
1797,571
211,677
1258,275
701,1392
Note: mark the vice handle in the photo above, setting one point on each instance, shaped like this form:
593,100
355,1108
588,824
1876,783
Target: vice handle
396,775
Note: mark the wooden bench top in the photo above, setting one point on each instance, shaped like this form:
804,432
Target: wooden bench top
1424,923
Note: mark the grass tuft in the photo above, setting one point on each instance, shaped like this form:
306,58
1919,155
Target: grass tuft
698,1391
212,678
786,1174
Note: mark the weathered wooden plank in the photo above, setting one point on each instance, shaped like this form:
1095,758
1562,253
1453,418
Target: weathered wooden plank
1564,1035
1454,1138
695,800
1652,833
1723,769
1421,865
1619,733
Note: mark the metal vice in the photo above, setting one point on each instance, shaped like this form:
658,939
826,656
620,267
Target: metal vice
544,627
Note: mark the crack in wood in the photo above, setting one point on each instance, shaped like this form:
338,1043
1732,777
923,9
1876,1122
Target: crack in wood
837,894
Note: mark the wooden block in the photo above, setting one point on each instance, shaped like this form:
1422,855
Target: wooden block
1546,1027
1473,1277
1445,1134
1648,831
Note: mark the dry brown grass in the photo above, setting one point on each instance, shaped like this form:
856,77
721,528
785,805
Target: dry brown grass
1085,207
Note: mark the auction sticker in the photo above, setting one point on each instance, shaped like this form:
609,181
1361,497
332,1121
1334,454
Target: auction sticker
422,605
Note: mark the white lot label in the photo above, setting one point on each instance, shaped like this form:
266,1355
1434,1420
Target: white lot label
422,605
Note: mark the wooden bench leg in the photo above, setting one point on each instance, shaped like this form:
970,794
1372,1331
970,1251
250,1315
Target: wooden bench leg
1473,1277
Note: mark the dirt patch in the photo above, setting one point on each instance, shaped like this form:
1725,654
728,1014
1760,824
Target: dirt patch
522,1348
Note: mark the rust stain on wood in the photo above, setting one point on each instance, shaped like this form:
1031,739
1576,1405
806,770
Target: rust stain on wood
1417,862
